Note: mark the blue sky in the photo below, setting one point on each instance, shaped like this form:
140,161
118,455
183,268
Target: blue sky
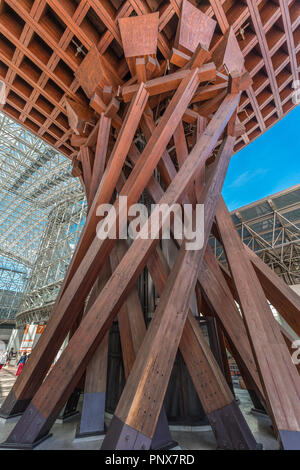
268,165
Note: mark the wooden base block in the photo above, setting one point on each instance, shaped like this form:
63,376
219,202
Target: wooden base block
231,429
92,415
69,411
32,438
290,440
13,407
162,438
120,436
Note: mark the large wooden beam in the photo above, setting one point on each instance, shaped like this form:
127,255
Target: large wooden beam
210,278
221,302
100,154
91,252
281,296
59,383
93,406
169,82
139,406
132,329
278,374
208,380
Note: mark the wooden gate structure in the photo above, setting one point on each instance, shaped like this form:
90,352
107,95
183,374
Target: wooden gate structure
164,119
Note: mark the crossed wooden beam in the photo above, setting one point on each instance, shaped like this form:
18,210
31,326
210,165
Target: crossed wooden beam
155,104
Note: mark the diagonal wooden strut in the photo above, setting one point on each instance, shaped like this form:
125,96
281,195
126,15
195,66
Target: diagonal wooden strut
278,374
132,330
148,381
71,295
61,380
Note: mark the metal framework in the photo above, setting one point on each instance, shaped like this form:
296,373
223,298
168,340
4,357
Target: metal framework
34,179
64,225
271,228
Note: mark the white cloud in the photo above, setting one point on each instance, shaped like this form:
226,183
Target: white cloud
245,177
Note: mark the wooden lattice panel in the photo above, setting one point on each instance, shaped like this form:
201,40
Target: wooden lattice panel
43,42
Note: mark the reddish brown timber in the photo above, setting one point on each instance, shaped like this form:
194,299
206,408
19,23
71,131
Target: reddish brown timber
141,8
278,374
139,34
77,140
78,116
169,82
86,158
100,154
263,44
281,296
217,292
139,406
179,58
215,286
221,302
132,330
208,381
93,406
194,27
61,380
112,171
182,154
228,54
100,107
216,289
208,92
200,177
91,252
95,72
130,317
200,56
220,15
140,67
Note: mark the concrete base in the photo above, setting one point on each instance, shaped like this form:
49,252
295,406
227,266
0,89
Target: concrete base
67,418
290,440
11,445
259,412
81,440
87,435
189,438
12,419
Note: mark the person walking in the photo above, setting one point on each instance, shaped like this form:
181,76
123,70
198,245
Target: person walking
3,359
12,357
21,363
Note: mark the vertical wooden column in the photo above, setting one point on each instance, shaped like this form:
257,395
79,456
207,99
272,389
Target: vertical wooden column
278,374
93,407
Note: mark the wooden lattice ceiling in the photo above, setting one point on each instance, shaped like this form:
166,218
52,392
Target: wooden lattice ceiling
42,43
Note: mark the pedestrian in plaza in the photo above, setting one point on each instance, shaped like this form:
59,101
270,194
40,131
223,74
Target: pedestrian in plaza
3,359
21,363
12,356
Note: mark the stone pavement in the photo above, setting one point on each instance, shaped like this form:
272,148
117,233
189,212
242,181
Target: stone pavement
188,439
